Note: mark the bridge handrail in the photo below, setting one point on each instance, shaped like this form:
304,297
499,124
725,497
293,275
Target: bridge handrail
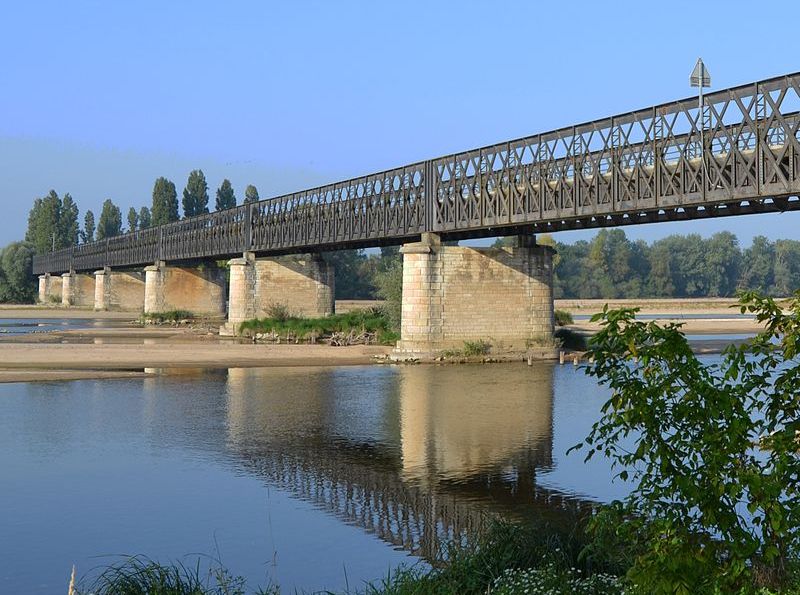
459,191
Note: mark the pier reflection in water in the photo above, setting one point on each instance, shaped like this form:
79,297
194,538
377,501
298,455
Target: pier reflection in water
417,454
168,464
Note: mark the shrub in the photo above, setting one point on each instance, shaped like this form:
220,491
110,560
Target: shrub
476,348
570,339
694,467
170,316
563,318
279,312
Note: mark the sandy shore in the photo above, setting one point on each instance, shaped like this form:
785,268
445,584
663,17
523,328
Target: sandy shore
126,351
50,312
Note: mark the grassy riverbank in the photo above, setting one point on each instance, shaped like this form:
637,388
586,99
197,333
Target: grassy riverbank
506,559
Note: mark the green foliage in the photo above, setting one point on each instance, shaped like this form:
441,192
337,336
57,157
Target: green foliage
354,274
226,199
569,339
611,266
141,576
278,312
550,579
87,235
133,219
17,283
473,568
145,219
165,202
169,316
389,283
110,223
251,194
195,195
563,318
476,348
52,223
68,227
280,321
684,433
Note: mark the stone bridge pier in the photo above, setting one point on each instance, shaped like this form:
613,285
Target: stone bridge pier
77,289
49,289
303,283
199,289
453,294
118,290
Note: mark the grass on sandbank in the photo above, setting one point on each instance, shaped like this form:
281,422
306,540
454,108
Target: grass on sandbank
372,321
169,316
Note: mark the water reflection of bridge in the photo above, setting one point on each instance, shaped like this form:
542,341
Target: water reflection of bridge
415,455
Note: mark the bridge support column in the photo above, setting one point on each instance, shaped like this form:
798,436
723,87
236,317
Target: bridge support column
199,290
453,294
77,289
303,283
114,290
49,289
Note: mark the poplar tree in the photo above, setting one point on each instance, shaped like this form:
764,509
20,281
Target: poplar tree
226,199
145,219
43,224
87,235
195,195
133,219
68,227
110,223
165,202
251,194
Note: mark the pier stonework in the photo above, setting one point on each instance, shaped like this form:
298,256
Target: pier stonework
49,288
199,290
303,283
453,294
118,290
77,289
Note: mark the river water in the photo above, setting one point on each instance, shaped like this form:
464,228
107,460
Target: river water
307,477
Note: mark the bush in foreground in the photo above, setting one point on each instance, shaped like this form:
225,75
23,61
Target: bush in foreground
711,450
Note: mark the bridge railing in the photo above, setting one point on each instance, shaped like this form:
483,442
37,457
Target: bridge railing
743,145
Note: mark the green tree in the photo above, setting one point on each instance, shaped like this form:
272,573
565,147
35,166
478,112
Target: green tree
87,234
389,282
787,267
145,219
354,274
133,219
195,195
251,194
682,431
758,261
44,224
226,199
68,227
16,273
165,202
110,223
722,263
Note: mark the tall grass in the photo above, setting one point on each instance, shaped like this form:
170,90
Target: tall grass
138,575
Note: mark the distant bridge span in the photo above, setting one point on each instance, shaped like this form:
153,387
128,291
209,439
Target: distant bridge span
668,162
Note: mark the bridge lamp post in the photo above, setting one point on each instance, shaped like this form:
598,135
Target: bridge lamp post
700,78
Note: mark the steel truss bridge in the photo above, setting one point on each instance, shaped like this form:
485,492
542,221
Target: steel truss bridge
739,154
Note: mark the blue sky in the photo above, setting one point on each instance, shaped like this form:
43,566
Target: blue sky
100,98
